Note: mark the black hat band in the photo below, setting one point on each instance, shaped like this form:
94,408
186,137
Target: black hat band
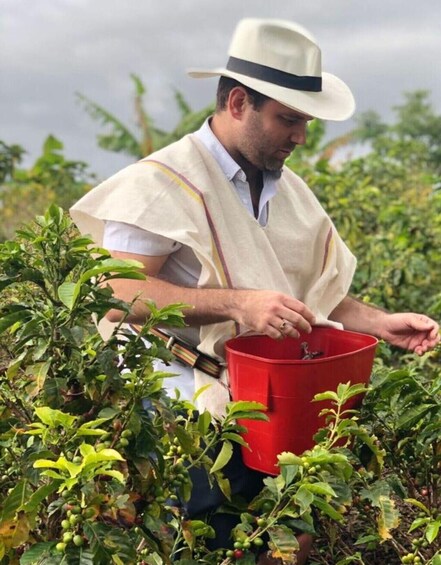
268,74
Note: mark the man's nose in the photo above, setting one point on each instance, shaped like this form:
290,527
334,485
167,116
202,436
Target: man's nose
298,135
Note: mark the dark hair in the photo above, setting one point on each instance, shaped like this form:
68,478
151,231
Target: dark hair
227,84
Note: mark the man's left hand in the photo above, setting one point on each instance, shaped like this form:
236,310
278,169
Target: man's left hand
415,332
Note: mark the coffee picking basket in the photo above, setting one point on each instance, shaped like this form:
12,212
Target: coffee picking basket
285,376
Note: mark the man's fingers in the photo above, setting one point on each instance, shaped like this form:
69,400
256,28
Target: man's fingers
294,319
286,329
291,331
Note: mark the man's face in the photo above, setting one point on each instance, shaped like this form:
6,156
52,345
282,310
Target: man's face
270,134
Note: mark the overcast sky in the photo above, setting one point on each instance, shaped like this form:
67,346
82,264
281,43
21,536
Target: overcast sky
51,49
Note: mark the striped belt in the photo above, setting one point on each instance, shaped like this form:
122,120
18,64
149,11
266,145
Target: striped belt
187,354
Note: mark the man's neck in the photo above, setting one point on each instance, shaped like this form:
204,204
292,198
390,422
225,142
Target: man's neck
223,132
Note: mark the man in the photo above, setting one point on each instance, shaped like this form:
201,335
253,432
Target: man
220,224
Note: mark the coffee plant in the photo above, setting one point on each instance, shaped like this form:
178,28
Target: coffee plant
95,457
96,460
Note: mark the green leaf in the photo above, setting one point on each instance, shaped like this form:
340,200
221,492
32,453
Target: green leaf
15,500
185,438
106,541
329,395
235,437
94,423
289,473
53,418
42,493
288,458
10,319
328,509
90,432
367,539
37,553
54,475
62,464
121,266
121,138
433,531
200,391
204,421
50,145
37,376
223,457
376,491
418,504
320,488
108,413
68,293
345,391
112,473
304,498
243,407
414,414
249,415
273,485
223,483
101,456
418,523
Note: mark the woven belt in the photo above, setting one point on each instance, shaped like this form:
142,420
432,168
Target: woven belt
187,354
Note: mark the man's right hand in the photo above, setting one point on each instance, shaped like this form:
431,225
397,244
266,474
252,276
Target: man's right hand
271,313
264,311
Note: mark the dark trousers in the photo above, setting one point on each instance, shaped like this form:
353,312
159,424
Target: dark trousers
206,499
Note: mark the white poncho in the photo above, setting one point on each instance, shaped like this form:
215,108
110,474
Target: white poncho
181,193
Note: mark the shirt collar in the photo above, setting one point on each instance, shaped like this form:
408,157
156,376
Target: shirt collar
228,165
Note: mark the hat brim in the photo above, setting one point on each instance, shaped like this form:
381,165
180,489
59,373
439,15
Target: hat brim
334,102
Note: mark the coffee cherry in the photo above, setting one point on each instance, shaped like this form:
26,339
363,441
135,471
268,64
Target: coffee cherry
61,547
78,540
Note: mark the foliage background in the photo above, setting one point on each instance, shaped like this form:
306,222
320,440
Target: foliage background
381,185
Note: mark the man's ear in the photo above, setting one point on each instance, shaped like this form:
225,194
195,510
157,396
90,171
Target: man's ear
238,101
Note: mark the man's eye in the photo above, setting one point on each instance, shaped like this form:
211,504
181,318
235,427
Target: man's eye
290,121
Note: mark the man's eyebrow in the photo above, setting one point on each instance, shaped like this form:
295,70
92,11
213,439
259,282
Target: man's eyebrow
297,116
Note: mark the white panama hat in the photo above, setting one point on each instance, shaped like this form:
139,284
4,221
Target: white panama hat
282,60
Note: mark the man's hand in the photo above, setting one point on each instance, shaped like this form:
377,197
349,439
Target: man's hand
274,314
415,332
264,311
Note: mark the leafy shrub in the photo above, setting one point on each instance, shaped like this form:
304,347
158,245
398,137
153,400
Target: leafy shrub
91,446
27,192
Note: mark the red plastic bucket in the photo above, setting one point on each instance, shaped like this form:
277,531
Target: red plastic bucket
274,373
